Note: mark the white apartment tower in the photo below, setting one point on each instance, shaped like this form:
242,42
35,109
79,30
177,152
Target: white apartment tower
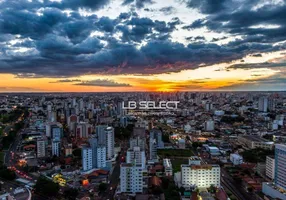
136,156
109,132
101,156
56,148
86,158
131,178
98,154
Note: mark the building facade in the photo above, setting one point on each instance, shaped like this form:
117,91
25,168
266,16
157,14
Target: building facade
236,159
109,131
196,174
155,142
131,178
254,142
41,148
137,142
270,167
56,147
280,163
86,158
136,156
168,167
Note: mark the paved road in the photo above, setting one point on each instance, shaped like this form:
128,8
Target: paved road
114,177
9,187
237,189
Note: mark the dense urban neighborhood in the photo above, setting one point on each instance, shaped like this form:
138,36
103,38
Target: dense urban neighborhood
213,145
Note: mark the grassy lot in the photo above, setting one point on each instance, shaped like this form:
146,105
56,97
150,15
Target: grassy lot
176,164
175,152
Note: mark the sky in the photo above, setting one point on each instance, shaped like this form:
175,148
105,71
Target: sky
142,45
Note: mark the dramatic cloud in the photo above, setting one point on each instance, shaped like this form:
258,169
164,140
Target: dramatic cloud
70,38
138,3
168,10
67,81
103,83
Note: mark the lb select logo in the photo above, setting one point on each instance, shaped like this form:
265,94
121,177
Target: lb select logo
150,105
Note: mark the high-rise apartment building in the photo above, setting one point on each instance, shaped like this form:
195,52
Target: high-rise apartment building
98,153
137,142
131,178
155,142
101,135
109,132
280,163
86,158
136,156
56,148
263,104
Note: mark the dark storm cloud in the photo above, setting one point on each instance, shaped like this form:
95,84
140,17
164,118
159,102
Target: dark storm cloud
272,80
138,3
207,6
197,38
64,4
143,28
103,83
252,24
257,65
75,4
28,24
168,10
196,24
60,58
67,81
61,45
218,39
257,55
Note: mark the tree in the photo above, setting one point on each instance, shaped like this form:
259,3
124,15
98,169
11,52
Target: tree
7,173
212,189
102,187
71,193
77,152
46,187
165,138
157,190
182,190
195,145
165,182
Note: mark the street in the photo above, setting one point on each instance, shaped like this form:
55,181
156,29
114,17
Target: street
114,177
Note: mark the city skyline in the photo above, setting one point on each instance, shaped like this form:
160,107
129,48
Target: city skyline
142,45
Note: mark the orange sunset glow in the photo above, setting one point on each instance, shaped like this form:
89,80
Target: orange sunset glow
215,77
